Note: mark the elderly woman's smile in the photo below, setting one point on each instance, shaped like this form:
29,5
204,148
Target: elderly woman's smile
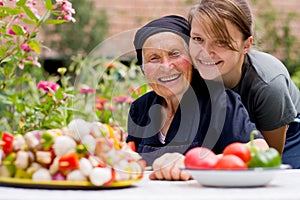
169,78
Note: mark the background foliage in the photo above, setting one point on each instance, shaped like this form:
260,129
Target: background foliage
81,37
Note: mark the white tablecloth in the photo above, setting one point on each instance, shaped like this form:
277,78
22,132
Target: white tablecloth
285,185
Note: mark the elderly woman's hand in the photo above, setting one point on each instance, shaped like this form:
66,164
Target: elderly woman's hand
167,167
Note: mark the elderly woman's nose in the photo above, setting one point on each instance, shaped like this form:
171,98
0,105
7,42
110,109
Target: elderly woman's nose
167,62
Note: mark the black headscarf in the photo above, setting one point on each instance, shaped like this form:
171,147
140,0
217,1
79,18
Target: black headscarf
170,23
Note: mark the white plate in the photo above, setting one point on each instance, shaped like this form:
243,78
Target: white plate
235,178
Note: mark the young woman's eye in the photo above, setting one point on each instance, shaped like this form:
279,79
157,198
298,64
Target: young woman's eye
221,43
197,39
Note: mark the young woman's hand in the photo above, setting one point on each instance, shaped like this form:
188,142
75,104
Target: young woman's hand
167,167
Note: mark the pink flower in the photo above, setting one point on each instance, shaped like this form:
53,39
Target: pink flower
30,4
112,108
21,65
101,100
20,16
46,86
130,100
69,17
1,3
35,62
67,10
11,32
86,90
26,47
67,7
120,99
99,107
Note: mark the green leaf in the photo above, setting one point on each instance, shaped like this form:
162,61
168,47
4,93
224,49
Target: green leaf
29,21
7,59
59,94
45,17
35,46
5,11
18,30
49,4
20,107
29,13
21,3
55,21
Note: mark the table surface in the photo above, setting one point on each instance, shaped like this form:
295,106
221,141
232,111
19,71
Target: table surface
285,185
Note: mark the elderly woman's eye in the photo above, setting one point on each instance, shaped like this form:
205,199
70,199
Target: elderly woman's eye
175,53
154,59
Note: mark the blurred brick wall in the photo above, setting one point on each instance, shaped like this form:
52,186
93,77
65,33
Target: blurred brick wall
128,14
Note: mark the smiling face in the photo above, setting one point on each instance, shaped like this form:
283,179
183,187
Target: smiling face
214,57
167,65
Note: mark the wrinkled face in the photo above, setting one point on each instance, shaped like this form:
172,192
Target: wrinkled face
213,58
167,65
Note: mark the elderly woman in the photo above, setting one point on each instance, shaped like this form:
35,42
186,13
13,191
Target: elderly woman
182,111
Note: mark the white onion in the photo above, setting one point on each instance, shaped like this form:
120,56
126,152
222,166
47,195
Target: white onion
85,166
100,176
64,145
76,175
42,174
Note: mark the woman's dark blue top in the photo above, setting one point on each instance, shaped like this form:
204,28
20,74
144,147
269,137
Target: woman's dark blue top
209,115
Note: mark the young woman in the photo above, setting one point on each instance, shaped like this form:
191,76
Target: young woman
221,38
181,112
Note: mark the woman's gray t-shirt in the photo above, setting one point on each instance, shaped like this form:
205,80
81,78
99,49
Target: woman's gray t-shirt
267,91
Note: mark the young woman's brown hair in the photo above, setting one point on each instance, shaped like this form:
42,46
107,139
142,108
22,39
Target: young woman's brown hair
214,13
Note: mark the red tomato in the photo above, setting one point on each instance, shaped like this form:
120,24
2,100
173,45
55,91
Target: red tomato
238,149
7,143
200,158
231,162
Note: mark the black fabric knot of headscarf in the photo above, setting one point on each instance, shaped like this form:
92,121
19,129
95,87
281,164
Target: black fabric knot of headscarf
170,23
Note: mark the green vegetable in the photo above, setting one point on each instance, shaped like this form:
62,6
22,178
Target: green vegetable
20,173
253,149
81,149
268,158
9,162
47,140
259,158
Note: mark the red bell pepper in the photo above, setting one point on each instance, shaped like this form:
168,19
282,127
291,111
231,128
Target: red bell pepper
131,144
68,163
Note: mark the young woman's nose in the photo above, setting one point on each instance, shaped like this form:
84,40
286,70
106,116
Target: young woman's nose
208,48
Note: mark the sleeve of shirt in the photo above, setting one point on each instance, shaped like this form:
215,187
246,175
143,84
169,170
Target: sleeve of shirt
274,105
